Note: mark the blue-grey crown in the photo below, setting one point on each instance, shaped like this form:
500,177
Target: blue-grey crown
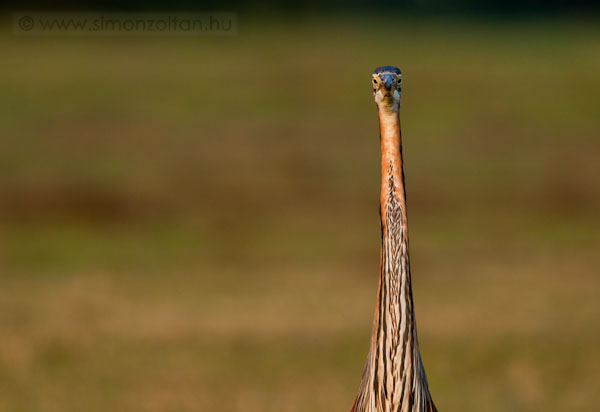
387,69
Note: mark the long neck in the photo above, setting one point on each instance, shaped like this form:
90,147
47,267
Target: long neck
394,379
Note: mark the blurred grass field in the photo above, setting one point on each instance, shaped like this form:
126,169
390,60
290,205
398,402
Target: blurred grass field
190,224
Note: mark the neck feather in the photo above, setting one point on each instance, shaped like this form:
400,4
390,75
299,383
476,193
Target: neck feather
394,378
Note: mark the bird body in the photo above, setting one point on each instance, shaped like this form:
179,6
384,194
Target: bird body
394,378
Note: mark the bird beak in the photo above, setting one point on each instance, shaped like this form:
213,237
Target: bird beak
388,80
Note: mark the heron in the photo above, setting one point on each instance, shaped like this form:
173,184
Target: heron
394,378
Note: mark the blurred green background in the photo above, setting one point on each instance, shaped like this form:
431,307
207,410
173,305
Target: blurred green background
190,224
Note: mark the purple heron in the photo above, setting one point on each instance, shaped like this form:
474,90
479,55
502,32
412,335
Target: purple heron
394,378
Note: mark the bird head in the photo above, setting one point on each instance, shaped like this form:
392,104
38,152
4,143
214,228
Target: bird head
387,88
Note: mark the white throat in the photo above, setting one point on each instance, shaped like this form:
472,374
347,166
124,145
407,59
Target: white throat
386,104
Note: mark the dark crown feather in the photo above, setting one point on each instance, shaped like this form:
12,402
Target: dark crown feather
387,69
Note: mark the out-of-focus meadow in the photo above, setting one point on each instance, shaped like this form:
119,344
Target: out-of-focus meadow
190,224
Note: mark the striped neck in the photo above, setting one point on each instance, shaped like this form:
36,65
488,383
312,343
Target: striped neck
394,379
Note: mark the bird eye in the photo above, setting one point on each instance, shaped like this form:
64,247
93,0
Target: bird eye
375,82
399,80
